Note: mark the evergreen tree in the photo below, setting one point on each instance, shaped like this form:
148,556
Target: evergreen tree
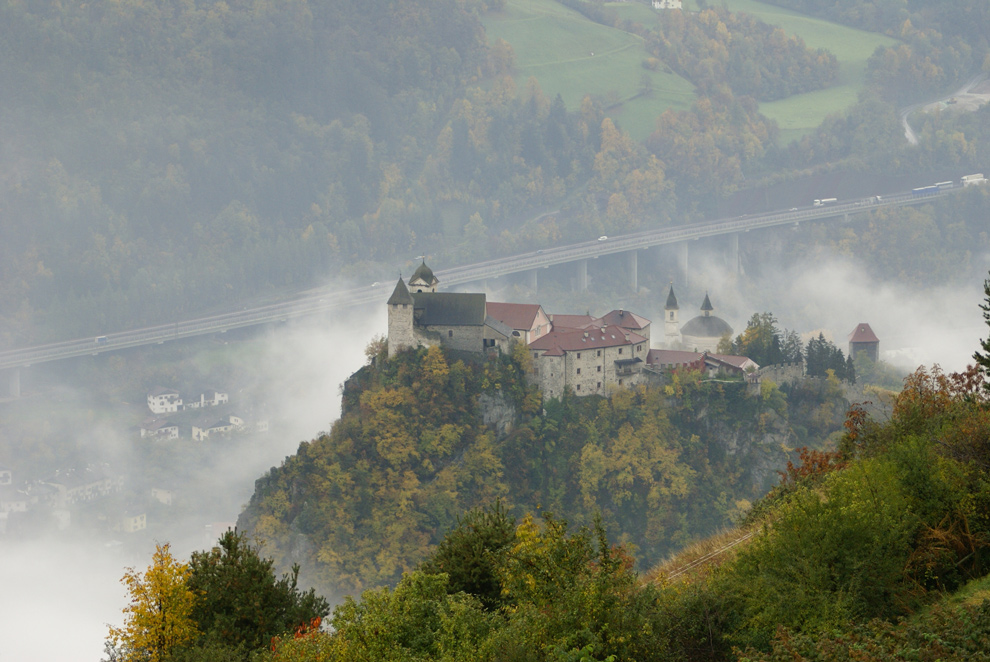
983,358
241,603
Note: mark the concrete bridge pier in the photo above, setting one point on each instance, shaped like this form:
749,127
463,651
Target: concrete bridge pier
582,275
534,281
682,261
10,383
734,253
633,262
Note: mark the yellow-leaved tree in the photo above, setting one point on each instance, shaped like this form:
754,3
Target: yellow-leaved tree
158,619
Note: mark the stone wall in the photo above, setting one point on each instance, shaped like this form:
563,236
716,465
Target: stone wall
400,328
782,373
588,372
465,338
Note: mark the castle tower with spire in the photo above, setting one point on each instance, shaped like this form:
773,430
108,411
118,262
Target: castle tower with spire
671,326
400,319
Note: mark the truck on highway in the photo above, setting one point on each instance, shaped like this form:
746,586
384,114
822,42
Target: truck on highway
944,185
923,191
101,340
825,201
969,180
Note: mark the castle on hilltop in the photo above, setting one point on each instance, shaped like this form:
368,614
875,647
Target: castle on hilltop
584,353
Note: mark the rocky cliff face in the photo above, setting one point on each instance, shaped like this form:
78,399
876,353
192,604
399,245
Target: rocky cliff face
498,412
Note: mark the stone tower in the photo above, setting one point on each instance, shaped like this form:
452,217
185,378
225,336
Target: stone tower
400,319
423,279
671,326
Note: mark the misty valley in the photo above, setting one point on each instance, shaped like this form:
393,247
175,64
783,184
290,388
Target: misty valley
533,330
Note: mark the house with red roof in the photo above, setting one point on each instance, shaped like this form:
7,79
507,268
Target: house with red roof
528,321
589,361
711,364
862,339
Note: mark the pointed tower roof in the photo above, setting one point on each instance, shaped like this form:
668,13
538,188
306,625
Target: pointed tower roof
863,333
425,274
707,305
400,294
671,300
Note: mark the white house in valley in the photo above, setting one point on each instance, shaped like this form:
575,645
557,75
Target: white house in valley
163,400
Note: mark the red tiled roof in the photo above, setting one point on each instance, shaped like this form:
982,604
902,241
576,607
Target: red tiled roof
863,333
571,340
671,357
519,316
561,322
625,319
677,357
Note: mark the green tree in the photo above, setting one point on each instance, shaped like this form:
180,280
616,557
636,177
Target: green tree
158,620
240,601
469,552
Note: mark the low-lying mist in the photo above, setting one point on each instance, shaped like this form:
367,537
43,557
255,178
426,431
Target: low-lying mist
75,580
941,324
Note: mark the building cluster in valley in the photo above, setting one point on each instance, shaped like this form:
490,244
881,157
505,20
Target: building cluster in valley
163,401
53,502
98,498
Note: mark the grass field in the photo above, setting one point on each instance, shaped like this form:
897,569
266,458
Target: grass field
801,113
572,56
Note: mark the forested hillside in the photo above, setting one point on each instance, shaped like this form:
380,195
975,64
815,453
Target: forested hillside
878,550
412,452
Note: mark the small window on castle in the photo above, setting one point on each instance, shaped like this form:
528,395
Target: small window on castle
639,348
671,316
450,334
620,350
620,382
599,353
579,387
579,355
599,368
579,371
599,384
404,306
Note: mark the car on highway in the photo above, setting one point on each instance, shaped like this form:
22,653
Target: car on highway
603,238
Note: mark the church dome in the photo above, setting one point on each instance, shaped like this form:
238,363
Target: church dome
706,327
423,273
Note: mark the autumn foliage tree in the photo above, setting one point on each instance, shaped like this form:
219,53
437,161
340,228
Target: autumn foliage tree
158,619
